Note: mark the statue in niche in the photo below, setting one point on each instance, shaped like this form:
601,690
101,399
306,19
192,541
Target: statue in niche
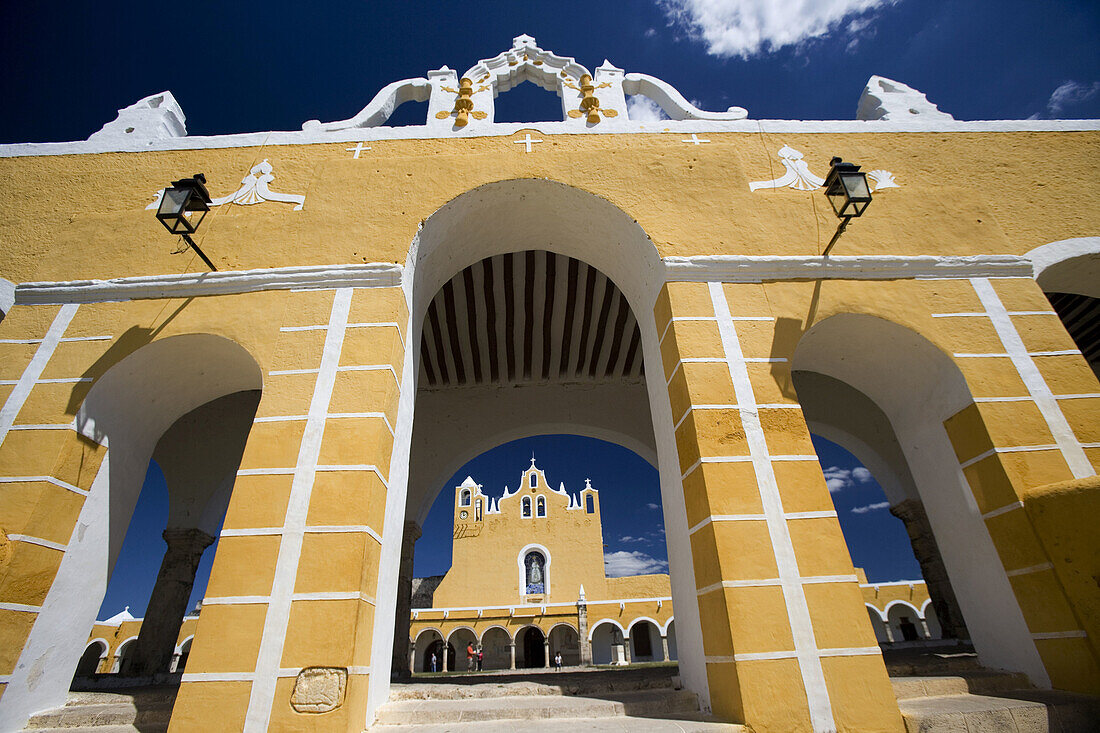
534,565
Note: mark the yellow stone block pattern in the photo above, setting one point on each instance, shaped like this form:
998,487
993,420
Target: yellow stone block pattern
1015,540
726,688
1071,664
758,620
334,561
347,498
321,633
14,628
967,433
860,694
1043,603
273,445
837,616
1067,374
258,501
200,704
802,486
772,695
228,638
285,718
28,574
244,566
819,547
721,488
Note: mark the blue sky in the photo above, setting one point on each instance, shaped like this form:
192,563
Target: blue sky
247,66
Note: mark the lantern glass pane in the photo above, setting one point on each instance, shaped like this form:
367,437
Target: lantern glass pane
172,202
837,199
855,184
195,216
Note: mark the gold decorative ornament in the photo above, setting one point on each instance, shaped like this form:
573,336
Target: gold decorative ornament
590,104
464,105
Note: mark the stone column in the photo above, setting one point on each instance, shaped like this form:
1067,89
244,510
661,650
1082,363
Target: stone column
889,632
911,513
664,648
626,649
546,652
412,658
582,628
512,654
924,627
156,642
401,667
445,657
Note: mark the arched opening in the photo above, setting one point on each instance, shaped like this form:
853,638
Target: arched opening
607,644
182,655
495,645
124,657
526,506
464,642
186,402
531,648
905,622
877,625
428,644
90,659
645,642
1069,274
541,510
847,370
534,573
565,640
935,631
553,337
670,634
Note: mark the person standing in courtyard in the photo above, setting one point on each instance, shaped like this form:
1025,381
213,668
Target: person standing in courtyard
433,662
557,661
480,657
470,657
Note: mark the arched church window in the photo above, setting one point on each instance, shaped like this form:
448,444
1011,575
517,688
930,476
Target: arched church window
541,507
535,572
590,504
477,511
526,506
534,479
465,497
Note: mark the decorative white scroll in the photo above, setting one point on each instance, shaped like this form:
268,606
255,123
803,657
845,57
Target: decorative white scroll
882,179
798,175
254,190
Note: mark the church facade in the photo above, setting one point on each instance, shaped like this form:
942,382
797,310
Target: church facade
383,292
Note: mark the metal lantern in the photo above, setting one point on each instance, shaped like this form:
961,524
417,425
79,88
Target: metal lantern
183,206
847,189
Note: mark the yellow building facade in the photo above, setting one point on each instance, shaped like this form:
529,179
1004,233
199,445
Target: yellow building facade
383,292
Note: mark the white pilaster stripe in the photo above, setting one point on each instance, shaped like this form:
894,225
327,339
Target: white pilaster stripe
292,329
795,458
1003,510
1075,634
23,386
22,607
961,315
288,372
798,612
1076,396
1063,352
979,356
1036,386
702,360
56,426
661,338
37,541
72,339
350,528
823,514
726,459
718,660
673,374
265,471
858,651
764,360
281,418
47,479
726,518
1033,569
690,470
286,567
678,319
1002,399
829,579
1032,313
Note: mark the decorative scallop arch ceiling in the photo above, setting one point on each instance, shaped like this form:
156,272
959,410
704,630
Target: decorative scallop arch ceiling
528,317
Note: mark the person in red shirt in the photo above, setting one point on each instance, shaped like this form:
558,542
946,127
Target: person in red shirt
470,657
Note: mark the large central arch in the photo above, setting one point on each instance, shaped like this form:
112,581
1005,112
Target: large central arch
546,216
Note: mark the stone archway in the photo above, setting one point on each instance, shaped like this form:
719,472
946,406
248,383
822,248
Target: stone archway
611,344
901,432
134,404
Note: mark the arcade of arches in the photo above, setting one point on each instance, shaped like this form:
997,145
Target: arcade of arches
615,283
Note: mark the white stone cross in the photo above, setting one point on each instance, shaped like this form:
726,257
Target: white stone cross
527,140
359,147
695,140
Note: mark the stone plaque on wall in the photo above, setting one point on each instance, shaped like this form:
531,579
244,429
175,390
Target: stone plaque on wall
319,689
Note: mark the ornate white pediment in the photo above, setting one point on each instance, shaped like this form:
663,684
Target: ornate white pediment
461,103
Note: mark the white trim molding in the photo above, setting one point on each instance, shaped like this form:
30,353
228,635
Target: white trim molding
749,268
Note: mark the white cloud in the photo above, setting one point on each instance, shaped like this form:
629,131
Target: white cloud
650,32
1070,94
870,507
652,506
750,27
628,538
644,109
622,563
838,478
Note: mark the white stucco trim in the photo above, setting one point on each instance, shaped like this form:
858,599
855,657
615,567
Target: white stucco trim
749,268
1054,253
641,619
1032,569
21,607
47,479
1074,634
326,277
622,126
33,372
906,604
798,612
601,622
881,616
37,541
1037,387
286,568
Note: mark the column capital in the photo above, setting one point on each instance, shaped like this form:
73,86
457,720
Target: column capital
412,529
909,510
188,540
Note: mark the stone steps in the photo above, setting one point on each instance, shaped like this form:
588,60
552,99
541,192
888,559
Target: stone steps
106,712
622,724
1020,711
980,682
666,703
